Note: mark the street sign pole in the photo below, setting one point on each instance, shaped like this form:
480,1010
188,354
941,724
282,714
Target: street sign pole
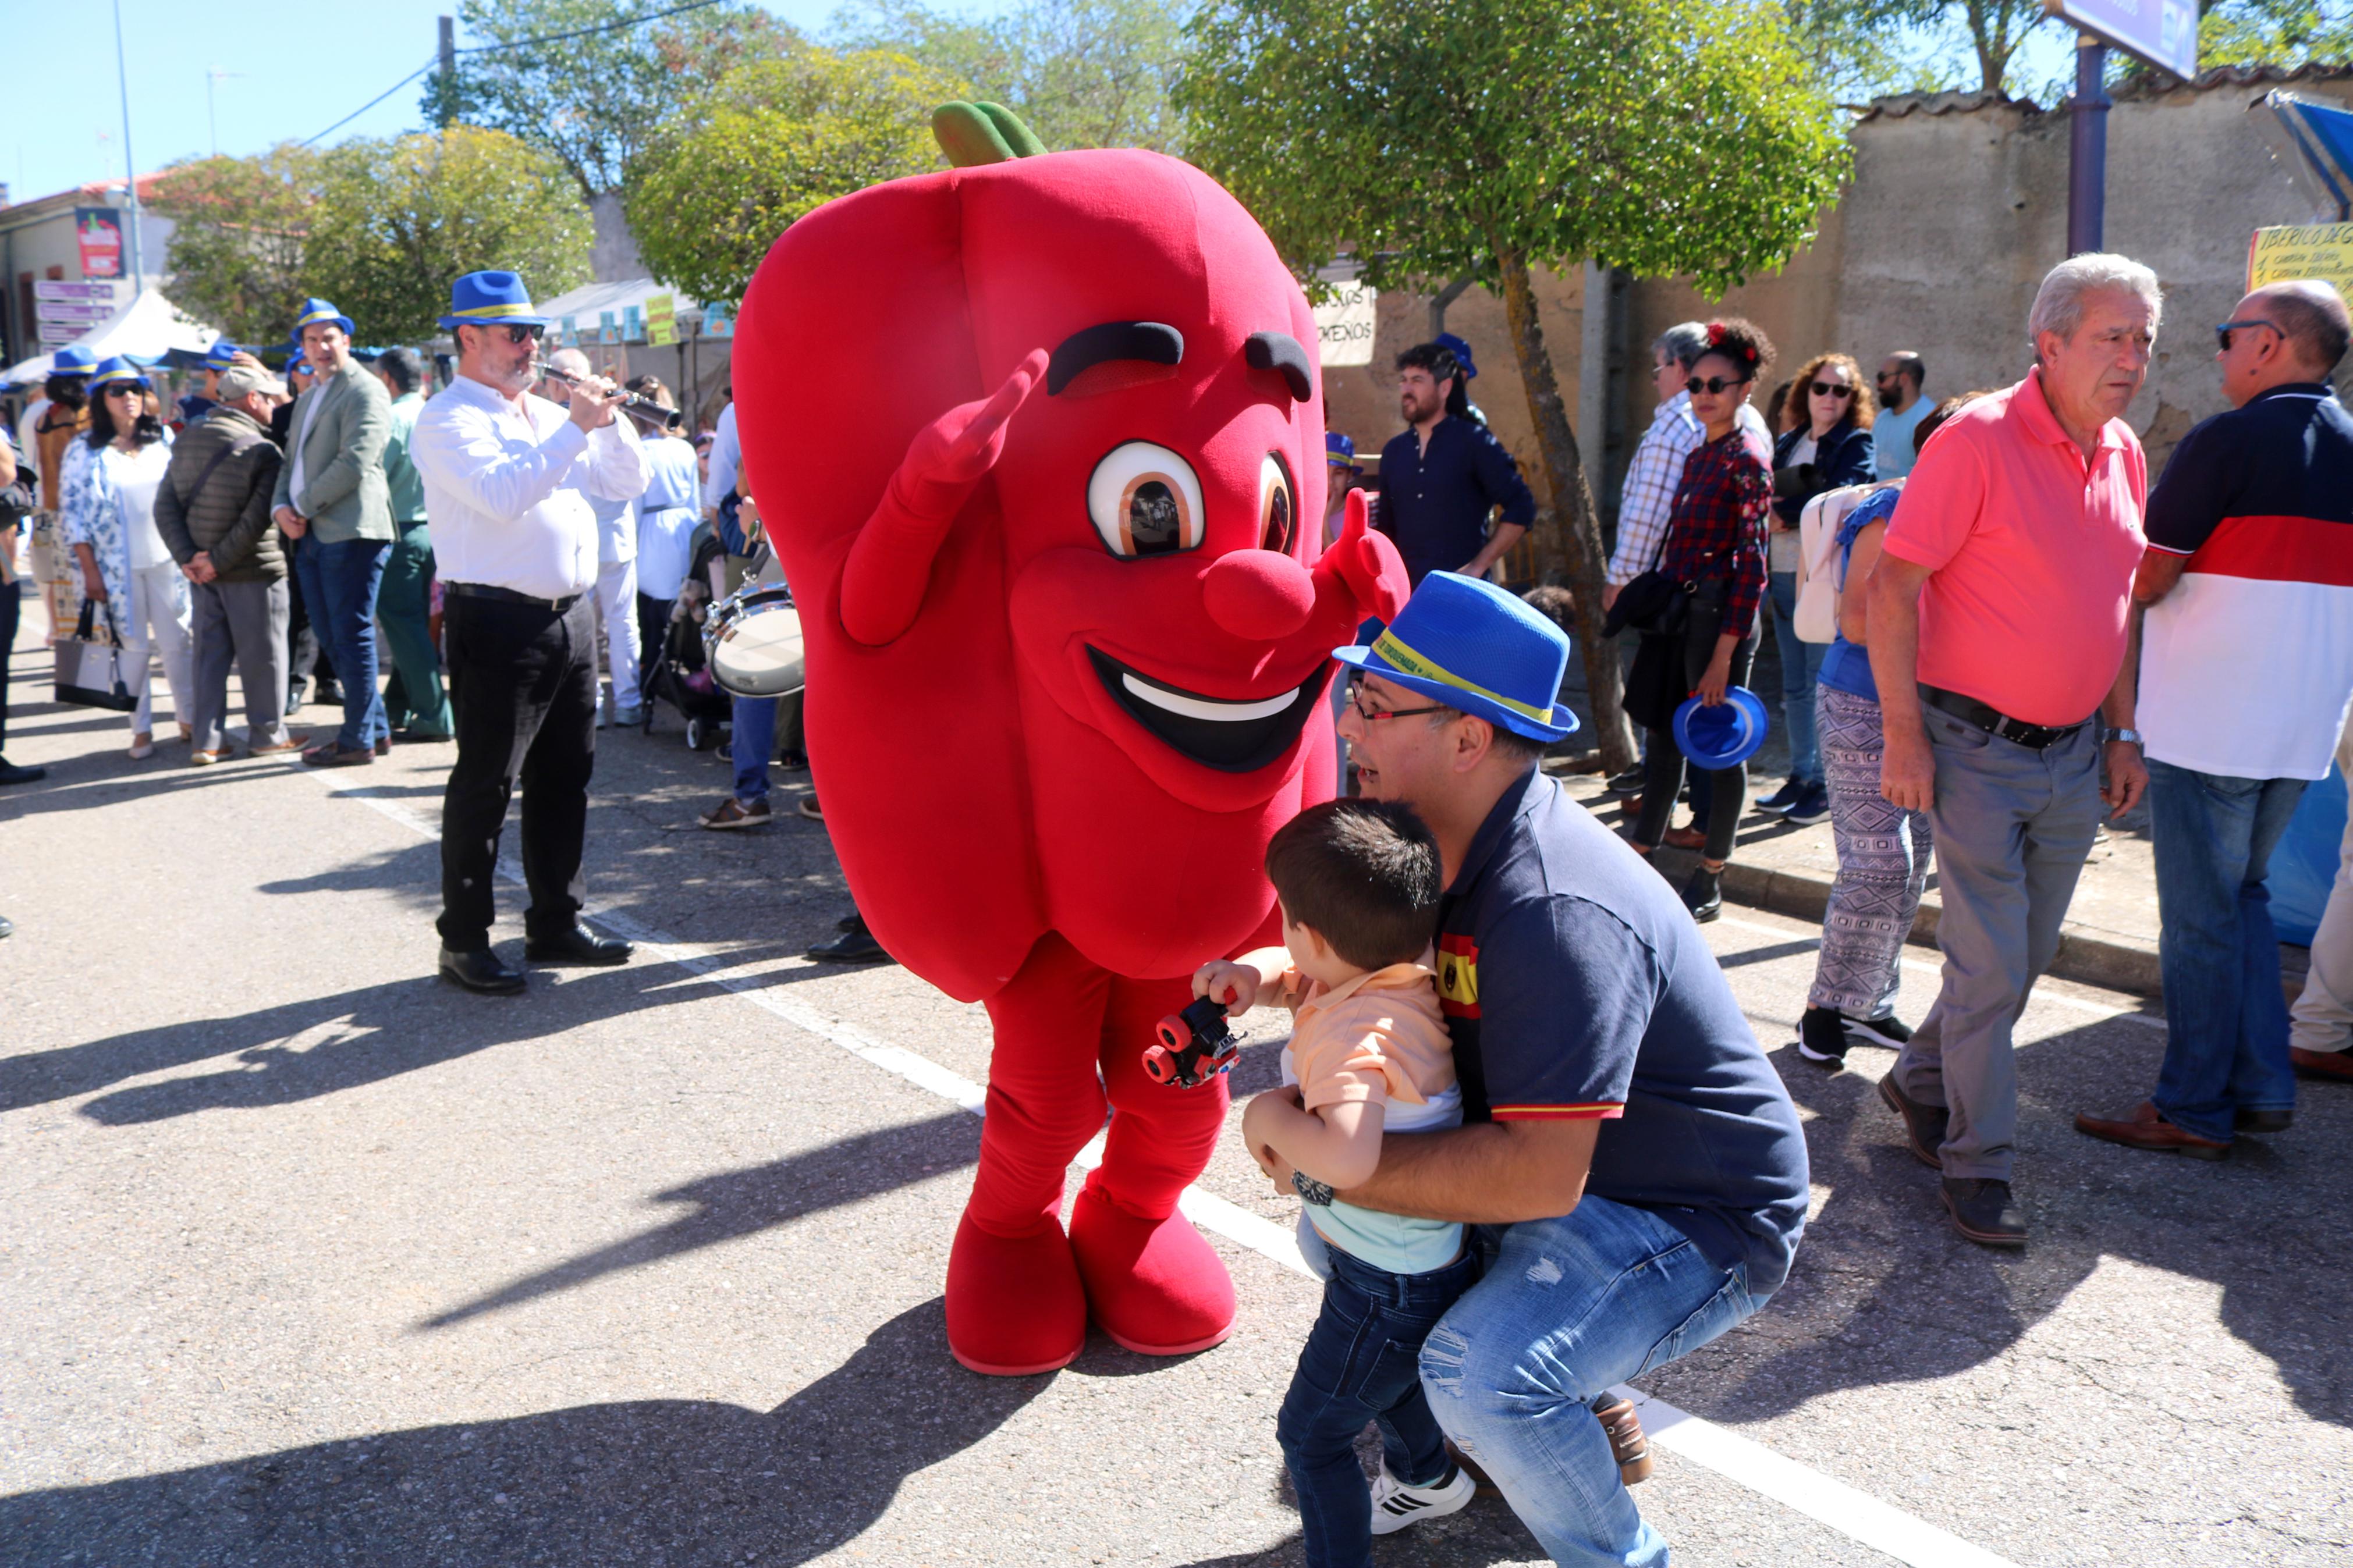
2087,149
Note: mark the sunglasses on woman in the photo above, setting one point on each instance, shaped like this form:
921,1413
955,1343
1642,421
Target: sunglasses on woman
1714,384
1837,389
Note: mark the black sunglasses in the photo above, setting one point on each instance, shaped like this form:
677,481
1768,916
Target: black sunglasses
518,333
1837,389
2222,333
1714,384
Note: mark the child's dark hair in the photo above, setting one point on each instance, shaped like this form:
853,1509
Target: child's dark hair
1364,875
1742,341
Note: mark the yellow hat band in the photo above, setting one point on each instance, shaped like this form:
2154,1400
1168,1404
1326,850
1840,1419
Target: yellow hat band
490,312
1404,661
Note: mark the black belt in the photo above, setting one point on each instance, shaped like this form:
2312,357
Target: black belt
484,591
1994,721
412,522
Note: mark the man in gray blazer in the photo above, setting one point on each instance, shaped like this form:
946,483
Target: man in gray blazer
332,501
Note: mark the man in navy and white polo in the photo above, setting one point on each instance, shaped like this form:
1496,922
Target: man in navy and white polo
2246,673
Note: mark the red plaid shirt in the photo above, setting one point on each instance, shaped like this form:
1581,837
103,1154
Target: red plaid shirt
1717,526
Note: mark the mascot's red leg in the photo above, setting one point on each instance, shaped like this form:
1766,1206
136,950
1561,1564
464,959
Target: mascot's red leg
1014,1304
1153,1283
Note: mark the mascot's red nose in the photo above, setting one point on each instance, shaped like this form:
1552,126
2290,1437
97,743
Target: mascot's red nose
1258,594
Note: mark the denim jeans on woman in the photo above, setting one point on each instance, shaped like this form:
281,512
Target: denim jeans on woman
2226,1023
339,584
1883,865
1801,665
1568,1308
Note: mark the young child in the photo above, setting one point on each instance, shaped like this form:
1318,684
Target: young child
1358,881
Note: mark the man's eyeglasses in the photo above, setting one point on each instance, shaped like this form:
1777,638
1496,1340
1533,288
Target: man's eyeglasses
1714,384
1837,389
518,333
1375,715
2222,333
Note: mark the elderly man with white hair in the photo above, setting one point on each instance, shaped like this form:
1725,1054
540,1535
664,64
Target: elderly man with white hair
2000,620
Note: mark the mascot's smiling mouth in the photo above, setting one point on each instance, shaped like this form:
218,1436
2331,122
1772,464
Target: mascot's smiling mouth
1231,737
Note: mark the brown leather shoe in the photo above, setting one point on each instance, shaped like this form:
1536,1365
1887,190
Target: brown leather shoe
1627,1446
2336,1066
1685,838
2147,1128
332,756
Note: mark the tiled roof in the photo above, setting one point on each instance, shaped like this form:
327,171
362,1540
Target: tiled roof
2139,85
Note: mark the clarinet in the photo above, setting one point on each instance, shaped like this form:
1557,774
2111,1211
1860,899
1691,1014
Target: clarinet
634,402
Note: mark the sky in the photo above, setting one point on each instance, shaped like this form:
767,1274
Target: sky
297,71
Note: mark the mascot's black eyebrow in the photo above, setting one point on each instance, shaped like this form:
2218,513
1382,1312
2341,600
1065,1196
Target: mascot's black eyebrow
1281,353
1108,342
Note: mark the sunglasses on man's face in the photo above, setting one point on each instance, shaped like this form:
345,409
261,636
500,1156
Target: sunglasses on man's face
517,333
1837,389
1714,384
2222,333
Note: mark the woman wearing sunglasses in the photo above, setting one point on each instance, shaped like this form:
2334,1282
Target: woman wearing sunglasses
1825,445
1715,544
108,516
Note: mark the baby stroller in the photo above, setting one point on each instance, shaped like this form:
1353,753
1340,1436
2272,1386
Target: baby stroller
680,676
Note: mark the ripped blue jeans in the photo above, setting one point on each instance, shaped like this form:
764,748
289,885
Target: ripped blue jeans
1568,1308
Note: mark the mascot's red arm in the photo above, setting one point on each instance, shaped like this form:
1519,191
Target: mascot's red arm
890,563
1366,563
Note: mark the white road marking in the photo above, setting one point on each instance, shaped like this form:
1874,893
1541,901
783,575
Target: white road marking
1741,1460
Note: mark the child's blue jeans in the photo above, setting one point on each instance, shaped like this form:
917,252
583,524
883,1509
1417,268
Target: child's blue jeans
1363,1363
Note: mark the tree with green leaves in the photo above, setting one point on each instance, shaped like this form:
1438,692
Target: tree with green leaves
736,167
1487,138
240,226
590,79
1080,73
394,221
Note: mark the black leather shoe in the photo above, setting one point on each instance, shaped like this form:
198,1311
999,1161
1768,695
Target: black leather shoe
2244,1119
10,773
1923,1125
481,970
1982,1211
856,946
578,945
1703,895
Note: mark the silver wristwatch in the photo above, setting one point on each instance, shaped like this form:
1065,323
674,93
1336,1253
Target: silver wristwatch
2109,732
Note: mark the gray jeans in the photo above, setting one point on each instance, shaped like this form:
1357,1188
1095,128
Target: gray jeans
2012,826
246,621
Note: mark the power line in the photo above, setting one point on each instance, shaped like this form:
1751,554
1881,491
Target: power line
379,97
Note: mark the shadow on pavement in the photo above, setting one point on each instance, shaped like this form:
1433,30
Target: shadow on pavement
736,1204
600,1486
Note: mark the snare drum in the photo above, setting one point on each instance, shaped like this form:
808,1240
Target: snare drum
752,641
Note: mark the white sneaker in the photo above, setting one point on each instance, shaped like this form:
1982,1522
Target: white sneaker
1397,1505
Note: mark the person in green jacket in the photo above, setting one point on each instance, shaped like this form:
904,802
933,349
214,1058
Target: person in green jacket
414,702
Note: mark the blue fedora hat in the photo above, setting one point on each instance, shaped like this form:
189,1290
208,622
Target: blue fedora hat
491,300
72,360
1472,646
117,368
1460,350
314,311
221,355
1339,450
1724,736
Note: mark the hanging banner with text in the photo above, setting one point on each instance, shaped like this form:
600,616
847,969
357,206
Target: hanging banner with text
661,318
2162,32
1344,329
2322,250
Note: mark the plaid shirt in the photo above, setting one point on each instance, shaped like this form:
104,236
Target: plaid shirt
1649,491
1717,527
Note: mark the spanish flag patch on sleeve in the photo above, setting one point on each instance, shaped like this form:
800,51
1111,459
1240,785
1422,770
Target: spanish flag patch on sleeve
1458,975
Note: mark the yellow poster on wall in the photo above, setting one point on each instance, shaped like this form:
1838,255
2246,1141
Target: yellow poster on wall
2323,250
661,318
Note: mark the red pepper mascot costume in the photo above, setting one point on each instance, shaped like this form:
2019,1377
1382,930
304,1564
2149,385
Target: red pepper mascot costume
1042,442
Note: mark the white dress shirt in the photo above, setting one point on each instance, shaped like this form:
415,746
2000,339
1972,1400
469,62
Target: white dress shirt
667,518
726,460
507,487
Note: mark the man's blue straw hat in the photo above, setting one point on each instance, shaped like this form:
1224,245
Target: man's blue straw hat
314,311
491,300
71,360
1470,645
117,368
221,355
1724,736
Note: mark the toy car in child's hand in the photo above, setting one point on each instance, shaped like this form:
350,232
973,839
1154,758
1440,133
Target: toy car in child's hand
1195,1045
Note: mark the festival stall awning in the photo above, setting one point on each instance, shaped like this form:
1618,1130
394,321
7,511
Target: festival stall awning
146,328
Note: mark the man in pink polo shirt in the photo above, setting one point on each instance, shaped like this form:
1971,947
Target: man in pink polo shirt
2001,613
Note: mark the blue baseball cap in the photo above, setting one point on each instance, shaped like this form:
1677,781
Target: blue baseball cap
1339,450
72,360
1470,645
491,300
314,311
221,355
1461,352
115,368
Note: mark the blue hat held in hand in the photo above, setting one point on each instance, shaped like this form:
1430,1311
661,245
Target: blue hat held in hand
1470,645
1724,736
314,311
491,300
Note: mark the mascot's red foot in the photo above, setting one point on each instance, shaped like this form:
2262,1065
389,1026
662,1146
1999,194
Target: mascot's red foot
1015,1305
1154,1285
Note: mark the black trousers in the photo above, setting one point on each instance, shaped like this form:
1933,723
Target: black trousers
522,689
11,607
653,630
1662,766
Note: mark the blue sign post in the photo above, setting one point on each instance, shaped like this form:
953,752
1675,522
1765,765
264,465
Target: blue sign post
2162,32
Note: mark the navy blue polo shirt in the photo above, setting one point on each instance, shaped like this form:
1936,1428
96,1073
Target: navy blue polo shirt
1576,986
1435,504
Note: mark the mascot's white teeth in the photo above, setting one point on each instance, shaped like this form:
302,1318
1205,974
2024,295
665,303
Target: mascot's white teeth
1204,708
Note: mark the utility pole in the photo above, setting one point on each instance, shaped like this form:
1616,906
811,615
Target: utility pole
2087,149
449,94
129,164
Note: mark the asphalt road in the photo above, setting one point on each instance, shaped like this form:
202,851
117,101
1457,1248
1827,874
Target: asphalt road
308,1259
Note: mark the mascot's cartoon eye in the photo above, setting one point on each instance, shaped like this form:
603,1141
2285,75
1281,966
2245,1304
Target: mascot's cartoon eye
1278,505
1145,500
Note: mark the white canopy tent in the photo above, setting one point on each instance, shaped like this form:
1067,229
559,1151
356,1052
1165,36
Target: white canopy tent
148,327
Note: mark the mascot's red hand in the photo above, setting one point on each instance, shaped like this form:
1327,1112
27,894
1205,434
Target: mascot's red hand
1366,561
889,564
